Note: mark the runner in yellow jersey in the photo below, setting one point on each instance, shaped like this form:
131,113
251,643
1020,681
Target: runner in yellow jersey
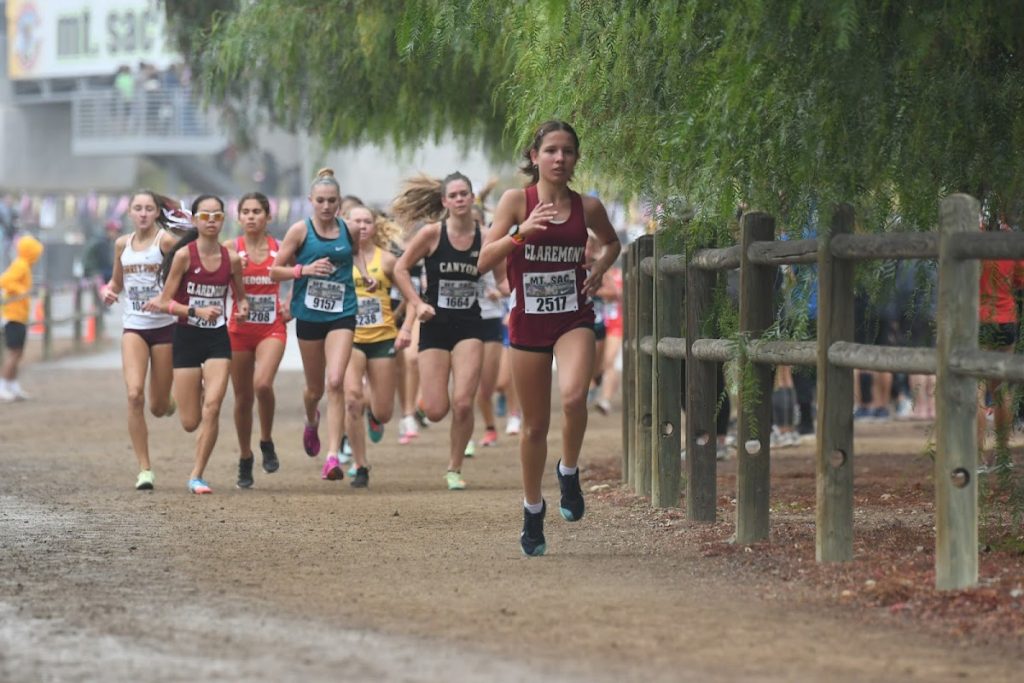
372,376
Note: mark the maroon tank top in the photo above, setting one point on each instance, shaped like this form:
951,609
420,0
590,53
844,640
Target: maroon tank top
201,288
546,276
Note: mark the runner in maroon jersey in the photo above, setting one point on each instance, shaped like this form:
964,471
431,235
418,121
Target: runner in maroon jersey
196,280
539,235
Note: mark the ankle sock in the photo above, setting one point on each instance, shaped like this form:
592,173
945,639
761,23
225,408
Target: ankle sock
567,471
533,508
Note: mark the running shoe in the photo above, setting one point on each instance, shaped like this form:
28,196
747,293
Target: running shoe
199,487
145,481
490,438
332,469
345,456
470,449
6,395
531,539
454,480
270,461
603,406
311,439
421,418
16,390
361,479
571,505
407,430
352,471
374,427
245,472
513,424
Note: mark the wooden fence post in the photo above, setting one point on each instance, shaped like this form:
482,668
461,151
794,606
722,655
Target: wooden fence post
665,396
47,324
757,293
628,366
76,325
834,467
701,399
642,371
956,404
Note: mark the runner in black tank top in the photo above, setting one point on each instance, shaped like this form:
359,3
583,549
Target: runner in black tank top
538,232
450,328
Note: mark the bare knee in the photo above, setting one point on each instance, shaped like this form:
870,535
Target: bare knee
190,424
574,403
211,410
537,432
385,414
264,391
335,385
435,412
314,395
354,404
462,409
243,400
136,398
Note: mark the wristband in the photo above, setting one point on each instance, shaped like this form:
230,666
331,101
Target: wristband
297,271
518,238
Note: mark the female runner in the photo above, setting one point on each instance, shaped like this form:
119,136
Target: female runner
196,281
539,234
146,340
376,341
318,253
257,343
450,329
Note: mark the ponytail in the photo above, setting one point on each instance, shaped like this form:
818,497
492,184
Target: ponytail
420,199
165,265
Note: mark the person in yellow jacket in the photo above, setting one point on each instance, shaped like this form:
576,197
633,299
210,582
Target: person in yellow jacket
15,291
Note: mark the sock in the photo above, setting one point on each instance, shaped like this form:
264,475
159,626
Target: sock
567,471
533,508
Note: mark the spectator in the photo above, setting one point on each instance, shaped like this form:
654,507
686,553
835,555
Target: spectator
99,256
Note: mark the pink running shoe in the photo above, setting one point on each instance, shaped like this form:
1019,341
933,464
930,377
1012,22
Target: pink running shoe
311,439
332,469
490,438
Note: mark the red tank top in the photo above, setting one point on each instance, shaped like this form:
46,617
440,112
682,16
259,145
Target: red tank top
263,293
546,276
201,288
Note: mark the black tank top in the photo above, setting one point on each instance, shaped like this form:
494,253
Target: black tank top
452,278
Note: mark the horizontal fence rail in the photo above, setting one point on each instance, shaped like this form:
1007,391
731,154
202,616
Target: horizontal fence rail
660,332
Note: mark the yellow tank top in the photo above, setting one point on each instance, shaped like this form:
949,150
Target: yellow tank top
375,322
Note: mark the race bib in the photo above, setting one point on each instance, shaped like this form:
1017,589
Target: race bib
203,302
262,309
138,296
370,313
456,294
545,293
324,295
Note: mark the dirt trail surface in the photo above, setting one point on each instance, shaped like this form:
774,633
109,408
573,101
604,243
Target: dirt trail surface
303,579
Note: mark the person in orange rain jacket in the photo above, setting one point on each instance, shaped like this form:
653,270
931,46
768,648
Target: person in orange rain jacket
15,291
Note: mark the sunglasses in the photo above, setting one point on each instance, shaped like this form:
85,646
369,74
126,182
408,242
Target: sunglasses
210,216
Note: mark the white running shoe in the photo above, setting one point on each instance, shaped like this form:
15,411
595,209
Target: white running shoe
407,429
19,393
513,424
6,395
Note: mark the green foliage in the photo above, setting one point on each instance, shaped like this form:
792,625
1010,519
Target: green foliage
771,103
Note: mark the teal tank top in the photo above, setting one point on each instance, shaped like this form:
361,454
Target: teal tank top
319,299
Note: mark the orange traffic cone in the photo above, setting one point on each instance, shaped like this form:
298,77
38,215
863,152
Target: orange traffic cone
37,318
90,329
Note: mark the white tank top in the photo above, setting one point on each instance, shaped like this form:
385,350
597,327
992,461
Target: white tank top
141,283
488,309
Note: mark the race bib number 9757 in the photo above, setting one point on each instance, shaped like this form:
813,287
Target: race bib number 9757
545,293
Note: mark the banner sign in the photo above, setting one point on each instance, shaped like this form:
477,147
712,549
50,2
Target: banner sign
72,38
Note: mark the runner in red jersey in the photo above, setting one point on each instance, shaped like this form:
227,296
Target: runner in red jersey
257,343
539,235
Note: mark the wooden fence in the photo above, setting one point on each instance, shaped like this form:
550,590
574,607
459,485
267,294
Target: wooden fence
80,306
659,334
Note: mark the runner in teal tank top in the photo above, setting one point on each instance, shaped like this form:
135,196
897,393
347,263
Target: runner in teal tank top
319,254
322,299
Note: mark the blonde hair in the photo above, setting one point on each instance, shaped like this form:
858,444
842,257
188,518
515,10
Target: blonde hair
325,176
384,231
420,198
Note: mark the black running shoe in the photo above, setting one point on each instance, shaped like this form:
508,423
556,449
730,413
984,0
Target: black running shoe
361,479
270,461
571,505
532,537
245,473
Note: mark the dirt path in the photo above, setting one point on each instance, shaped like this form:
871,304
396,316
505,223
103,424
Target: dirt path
300,579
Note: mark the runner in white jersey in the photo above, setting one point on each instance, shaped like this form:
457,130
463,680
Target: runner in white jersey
147,336
491,295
